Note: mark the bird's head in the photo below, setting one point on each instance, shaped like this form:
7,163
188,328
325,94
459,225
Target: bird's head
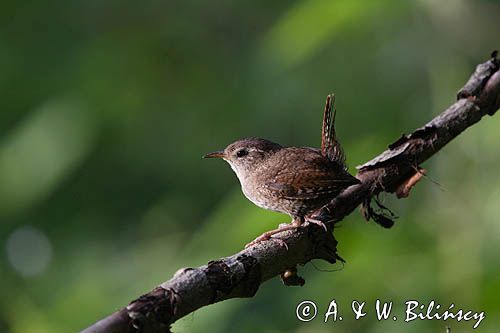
246,155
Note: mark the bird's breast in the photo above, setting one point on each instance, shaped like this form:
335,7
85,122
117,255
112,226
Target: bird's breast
254,190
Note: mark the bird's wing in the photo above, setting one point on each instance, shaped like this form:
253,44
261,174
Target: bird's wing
330,146
309,184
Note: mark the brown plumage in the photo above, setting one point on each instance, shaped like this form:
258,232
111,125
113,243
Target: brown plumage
291,180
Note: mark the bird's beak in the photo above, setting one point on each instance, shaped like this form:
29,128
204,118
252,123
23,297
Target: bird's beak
215,154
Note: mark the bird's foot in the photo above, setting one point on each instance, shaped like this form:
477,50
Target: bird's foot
268,236
317,222
263,238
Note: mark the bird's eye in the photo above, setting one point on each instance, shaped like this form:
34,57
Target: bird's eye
241,152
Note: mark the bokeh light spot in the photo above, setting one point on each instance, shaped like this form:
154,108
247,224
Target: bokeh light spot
29,251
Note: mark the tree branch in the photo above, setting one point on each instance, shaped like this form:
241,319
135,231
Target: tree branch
395,170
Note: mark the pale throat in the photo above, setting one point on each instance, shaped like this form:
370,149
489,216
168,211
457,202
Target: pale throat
243,181
239,174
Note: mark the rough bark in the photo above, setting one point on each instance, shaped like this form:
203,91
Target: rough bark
395,170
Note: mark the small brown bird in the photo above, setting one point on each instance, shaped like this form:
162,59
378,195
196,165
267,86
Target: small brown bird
291,180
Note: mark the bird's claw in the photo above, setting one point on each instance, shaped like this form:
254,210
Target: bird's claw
281,242
263,238
317,222
257,240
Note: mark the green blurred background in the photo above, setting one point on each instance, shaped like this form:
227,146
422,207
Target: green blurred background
108,106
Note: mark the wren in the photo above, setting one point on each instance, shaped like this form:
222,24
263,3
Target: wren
291,180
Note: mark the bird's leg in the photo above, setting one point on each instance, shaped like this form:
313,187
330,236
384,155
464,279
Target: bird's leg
317,222
268,234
